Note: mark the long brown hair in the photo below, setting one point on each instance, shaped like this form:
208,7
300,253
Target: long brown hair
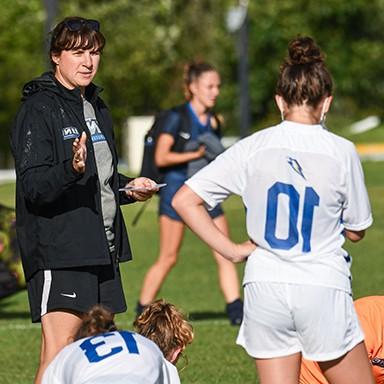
304,77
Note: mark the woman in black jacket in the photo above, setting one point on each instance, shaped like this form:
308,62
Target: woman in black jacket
68,191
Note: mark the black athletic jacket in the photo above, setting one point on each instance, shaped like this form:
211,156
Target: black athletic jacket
58,212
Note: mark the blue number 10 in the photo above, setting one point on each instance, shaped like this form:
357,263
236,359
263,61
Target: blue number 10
311,199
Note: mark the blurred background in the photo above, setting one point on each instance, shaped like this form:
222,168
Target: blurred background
148,43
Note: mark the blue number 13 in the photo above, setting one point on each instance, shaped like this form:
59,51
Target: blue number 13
311,200
90,345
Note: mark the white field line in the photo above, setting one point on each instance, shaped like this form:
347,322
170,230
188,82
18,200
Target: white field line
19,327
124,324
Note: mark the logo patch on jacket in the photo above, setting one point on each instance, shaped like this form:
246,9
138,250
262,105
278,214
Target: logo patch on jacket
96,134
70,133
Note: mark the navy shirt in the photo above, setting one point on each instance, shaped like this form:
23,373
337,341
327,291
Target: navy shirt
175,176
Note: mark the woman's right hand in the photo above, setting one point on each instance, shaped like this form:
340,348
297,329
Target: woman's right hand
79,150
200,152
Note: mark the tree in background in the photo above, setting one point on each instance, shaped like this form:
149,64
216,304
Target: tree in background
148,42
349,31
21,47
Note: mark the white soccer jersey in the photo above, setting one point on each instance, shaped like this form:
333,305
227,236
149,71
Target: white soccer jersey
301,186
114,358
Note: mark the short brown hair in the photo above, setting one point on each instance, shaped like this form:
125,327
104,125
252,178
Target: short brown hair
64,38
304,77
165,325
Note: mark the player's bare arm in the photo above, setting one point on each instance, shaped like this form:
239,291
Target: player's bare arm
190,207
354,236
165,157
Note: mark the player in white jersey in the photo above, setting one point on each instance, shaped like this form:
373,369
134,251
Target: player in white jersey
304,193
103,354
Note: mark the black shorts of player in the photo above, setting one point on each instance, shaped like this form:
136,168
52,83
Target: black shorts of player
75,289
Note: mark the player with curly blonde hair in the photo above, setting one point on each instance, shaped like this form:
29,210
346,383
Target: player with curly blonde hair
165,325
103,354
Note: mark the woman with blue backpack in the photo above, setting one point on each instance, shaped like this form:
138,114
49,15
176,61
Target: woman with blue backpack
188,139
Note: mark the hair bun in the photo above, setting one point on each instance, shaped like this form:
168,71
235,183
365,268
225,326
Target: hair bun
303,50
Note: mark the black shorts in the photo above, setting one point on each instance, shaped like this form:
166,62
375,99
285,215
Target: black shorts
75,289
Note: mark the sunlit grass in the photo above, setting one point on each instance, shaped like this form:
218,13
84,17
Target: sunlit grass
192,285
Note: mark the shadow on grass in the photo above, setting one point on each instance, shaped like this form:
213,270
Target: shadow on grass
199,316
13,315
8,310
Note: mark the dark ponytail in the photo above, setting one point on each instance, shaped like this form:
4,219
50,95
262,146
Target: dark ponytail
304,77
192,71
97,320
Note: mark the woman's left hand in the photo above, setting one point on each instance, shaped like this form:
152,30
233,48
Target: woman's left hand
144,188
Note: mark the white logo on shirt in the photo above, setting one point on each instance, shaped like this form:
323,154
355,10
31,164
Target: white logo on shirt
71,295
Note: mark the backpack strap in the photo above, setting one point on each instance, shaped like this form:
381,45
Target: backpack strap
217,124
184,128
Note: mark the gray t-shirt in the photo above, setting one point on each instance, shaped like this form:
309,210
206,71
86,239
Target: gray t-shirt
105,171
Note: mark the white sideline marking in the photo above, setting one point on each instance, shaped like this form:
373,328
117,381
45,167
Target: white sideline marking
19,327
120,324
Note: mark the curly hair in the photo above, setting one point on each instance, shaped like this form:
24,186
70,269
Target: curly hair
165,325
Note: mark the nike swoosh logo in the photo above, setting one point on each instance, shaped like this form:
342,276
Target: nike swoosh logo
71,295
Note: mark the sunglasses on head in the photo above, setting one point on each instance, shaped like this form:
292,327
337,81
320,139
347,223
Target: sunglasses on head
76,24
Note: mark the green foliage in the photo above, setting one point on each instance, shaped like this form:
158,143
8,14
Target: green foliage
148,43
7,193
348,31
21,58
192,285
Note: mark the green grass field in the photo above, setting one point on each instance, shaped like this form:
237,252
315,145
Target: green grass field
213,357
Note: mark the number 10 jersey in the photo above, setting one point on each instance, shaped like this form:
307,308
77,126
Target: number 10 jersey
301,186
